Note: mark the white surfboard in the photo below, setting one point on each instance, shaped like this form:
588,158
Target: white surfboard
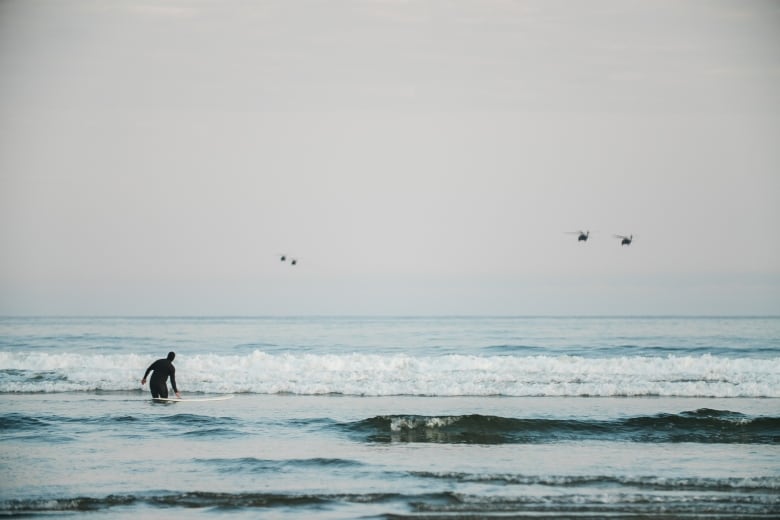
193,400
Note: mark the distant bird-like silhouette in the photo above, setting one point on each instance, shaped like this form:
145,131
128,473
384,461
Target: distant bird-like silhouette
625,241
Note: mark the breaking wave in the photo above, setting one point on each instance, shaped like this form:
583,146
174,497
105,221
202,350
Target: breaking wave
702,426
403,374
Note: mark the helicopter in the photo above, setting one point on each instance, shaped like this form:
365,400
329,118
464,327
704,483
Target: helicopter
625,241
582,235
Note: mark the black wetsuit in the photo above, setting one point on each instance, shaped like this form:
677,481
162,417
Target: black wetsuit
158,384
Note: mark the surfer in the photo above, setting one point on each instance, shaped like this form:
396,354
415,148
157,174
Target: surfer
159,383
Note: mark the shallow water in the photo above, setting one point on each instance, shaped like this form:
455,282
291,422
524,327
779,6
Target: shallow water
429,435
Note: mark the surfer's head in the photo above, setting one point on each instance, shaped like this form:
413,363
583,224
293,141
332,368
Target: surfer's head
171,355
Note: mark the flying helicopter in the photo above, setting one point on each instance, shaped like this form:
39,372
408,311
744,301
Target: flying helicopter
582,235
625,241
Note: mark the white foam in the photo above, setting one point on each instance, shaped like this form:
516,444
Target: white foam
402,374
398,424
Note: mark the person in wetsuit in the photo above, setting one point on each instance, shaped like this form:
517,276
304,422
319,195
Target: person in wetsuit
162,368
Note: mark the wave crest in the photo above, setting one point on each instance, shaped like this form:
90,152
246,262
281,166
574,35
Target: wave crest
402,374
702,426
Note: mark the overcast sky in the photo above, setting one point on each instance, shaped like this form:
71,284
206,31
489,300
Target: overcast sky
417,157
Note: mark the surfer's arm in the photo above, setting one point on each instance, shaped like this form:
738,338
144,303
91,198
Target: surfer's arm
173,381
143,381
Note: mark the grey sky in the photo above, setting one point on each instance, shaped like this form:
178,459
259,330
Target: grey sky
420,157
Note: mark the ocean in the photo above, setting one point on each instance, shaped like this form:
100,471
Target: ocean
392,417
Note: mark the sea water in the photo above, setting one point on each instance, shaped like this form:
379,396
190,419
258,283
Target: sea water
392,418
